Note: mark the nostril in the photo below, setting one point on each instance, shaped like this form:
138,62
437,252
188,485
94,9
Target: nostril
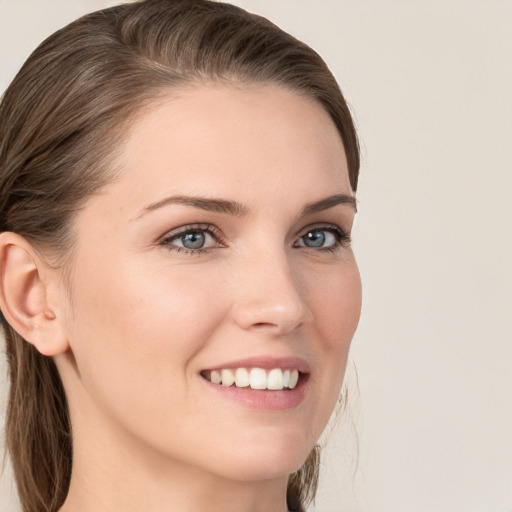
269,326
263,325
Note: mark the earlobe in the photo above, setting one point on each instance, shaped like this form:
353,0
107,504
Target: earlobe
24,284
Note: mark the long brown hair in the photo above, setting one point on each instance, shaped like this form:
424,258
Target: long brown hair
61,120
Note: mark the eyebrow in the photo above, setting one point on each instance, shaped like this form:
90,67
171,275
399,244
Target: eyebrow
204,203
329,202
239,210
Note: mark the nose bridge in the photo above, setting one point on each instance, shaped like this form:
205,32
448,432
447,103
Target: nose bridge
269,291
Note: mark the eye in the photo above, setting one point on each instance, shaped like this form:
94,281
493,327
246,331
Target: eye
323,237
193,239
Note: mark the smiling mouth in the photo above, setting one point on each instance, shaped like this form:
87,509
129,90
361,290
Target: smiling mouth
254,378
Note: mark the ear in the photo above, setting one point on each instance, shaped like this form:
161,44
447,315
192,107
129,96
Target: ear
25,299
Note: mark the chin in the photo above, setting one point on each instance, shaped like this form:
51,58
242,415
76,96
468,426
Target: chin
277,456
258,469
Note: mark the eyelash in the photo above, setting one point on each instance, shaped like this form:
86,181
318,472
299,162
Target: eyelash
342,238
194,228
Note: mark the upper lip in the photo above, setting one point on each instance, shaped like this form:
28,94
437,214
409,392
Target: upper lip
265,362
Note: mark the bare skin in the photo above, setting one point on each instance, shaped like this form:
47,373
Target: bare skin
148,314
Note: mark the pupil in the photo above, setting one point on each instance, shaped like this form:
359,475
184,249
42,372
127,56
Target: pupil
193,240
315,239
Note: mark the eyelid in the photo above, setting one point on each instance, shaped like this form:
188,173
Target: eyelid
343,237
215,232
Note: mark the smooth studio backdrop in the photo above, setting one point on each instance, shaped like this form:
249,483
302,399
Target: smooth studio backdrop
430,84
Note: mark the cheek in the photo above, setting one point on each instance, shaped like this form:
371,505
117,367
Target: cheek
139,330
336,305
136,335
145,306
335,300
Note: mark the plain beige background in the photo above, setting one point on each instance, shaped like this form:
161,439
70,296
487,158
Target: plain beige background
430,84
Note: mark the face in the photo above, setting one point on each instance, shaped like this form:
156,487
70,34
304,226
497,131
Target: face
223,246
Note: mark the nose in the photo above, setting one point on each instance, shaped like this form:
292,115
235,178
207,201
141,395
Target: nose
270,294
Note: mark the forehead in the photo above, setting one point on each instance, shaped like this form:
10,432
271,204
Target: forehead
234,121
236,141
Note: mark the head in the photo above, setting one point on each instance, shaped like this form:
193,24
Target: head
72,145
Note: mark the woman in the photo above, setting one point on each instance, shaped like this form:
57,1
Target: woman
177,284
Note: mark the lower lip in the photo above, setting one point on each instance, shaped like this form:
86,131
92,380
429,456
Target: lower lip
262,398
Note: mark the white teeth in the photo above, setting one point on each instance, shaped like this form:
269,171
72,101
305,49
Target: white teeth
242,378
228,377
294,377
256,378
286,378
275,379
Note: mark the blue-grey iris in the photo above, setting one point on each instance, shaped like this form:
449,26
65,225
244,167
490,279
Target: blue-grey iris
314,239
194,240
